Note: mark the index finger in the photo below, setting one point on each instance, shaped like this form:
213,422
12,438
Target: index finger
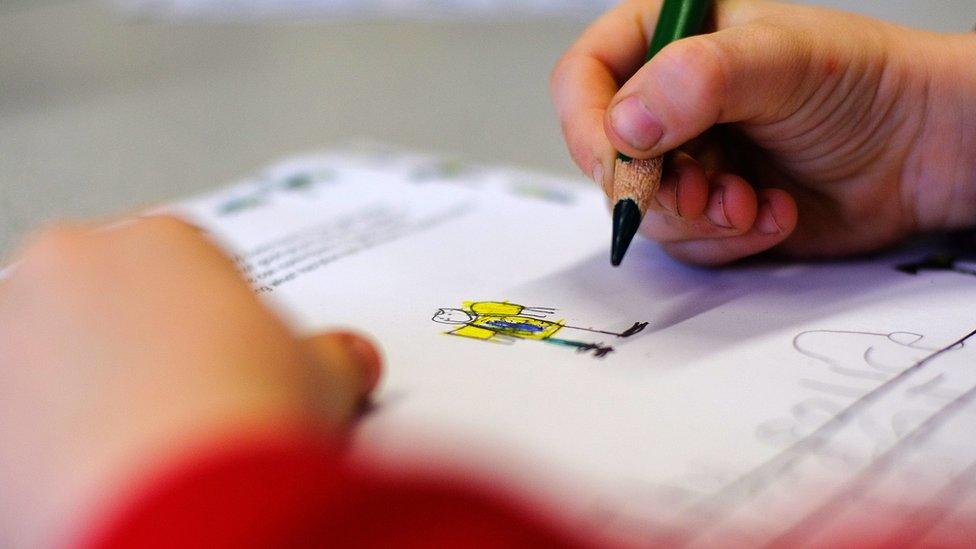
588,76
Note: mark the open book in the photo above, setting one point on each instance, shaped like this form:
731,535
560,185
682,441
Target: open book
757,404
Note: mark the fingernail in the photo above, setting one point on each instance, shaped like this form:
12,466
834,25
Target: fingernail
715,212
667,195
598,174
635,124
766,220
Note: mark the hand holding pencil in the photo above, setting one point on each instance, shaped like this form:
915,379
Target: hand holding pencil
802,130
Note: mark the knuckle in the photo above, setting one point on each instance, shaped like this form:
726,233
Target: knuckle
708,82
577,140
559,71
572,73
167,226
171,236
771,34
162,230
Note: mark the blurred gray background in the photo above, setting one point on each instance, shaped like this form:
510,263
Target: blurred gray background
100,112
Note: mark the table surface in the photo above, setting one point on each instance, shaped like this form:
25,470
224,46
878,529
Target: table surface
100,114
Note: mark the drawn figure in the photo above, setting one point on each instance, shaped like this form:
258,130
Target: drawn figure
503,322
865,359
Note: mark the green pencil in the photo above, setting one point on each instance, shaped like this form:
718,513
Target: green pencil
635,182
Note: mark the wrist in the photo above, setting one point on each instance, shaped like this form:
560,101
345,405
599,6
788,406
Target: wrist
943,171
967,60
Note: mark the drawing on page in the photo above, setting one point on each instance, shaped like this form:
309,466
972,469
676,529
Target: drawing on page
437,169
504,322
844,448
263,191
862,355
539,191
856,363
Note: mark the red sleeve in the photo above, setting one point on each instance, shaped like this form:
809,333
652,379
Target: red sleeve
294,492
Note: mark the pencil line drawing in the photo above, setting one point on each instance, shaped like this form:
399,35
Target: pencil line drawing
504,322
714,509
860,354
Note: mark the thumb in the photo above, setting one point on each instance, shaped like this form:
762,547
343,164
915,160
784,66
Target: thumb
346,369
756,73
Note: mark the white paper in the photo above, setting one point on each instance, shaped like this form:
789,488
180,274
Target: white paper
761,403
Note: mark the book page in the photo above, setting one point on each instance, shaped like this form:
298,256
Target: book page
655,401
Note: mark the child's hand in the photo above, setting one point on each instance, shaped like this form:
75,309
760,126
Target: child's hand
838,134
123,348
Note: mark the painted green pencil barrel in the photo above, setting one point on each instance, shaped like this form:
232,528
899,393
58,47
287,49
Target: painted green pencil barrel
678,19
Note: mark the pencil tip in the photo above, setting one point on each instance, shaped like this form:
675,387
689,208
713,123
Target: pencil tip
626,220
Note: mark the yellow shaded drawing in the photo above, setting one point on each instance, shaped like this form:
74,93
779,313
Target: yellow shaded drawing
501,321
488,319
493,308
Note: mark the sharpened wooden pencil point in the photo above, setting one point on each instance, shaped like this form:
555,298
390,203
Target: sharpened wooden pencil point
635,184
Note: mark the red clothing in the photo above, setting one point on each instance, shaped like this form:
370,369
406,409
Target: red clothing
295,493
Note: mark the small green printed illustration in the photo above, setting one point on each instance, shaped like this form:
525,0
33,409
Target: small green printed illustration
265,189
504,322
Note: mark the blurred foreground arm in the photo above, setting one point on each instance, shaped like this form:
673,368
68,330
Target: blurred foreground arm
124,349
